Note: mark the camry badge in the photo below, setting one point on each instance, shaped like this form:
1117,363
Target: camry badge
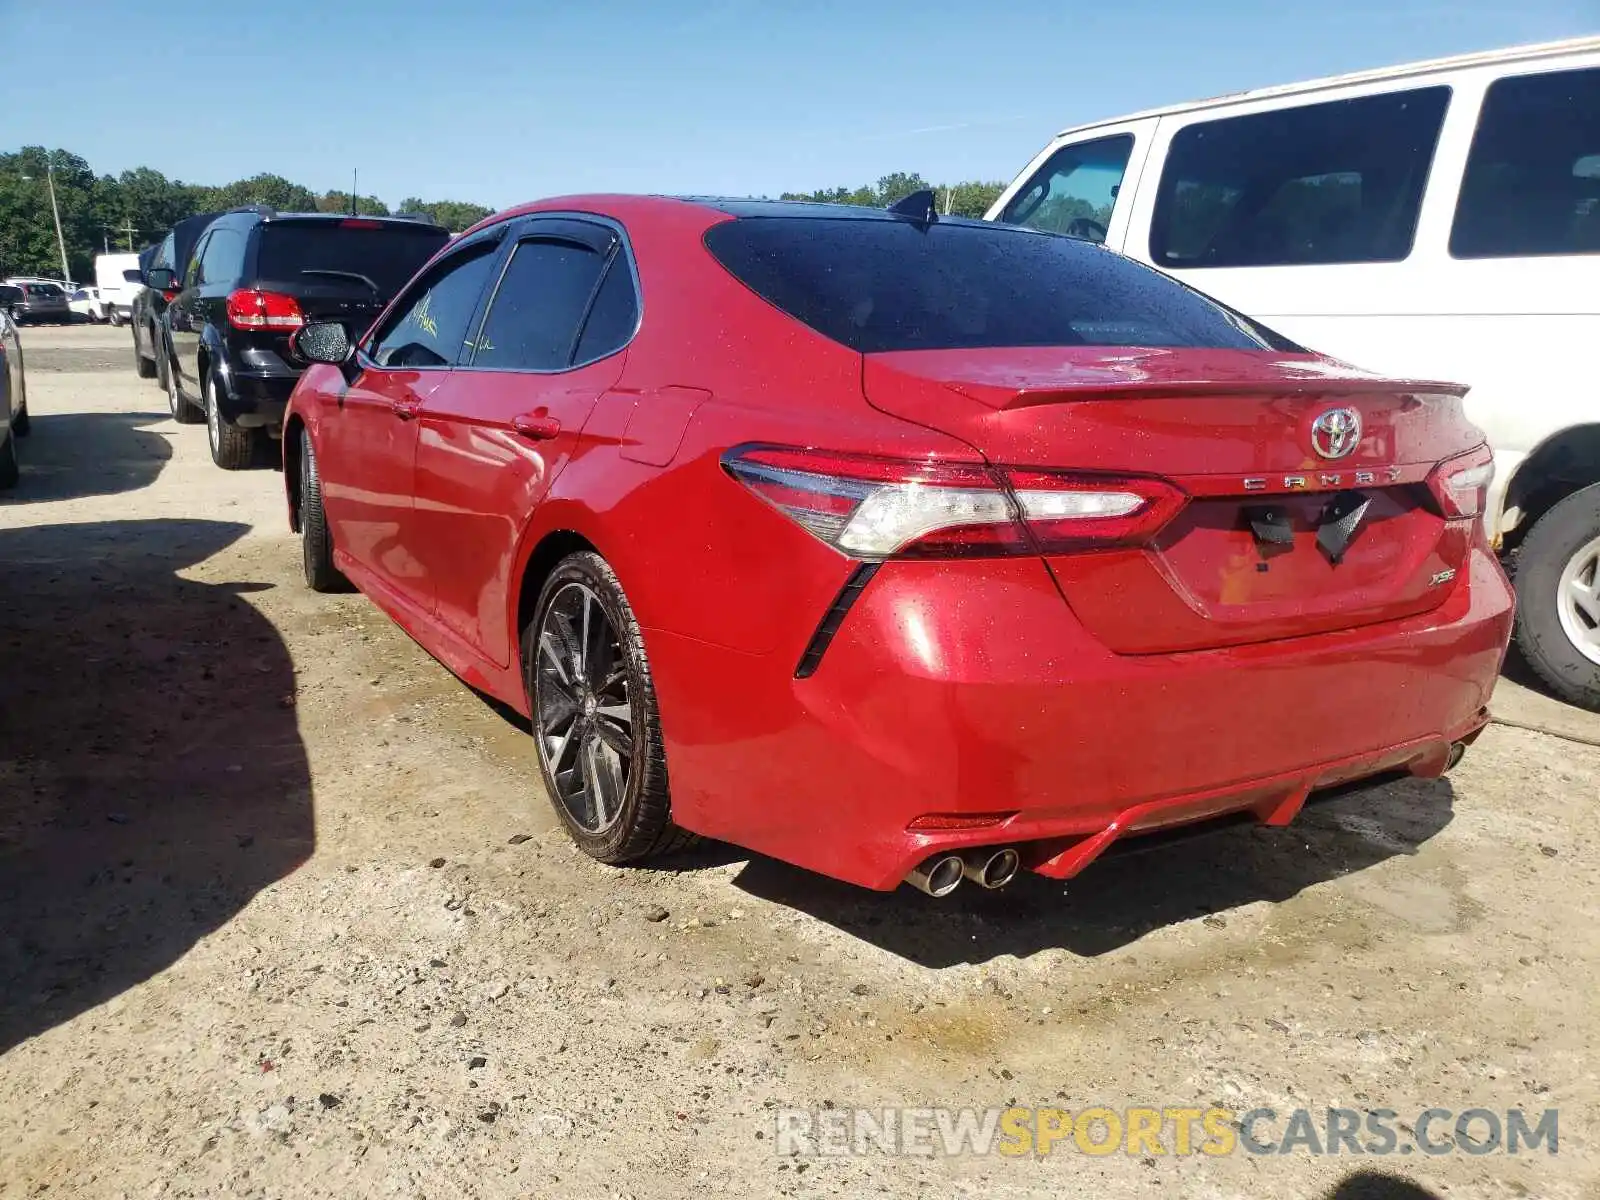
1336,432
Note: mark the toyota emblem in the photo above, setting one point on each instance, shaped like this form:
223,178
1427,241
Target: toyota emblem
1336,432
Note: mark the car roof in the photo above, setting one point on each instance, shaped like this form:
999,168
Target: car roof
623,206
1482,58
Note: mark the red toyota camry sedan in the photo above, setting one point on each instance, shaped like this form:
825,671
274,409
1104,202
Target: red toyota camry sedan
902,548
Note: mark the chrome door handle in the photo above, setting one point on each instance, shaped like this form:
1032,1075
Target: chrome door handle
536,428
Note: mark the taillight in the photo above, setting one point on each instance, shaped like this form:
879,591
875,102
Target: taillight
1461,484
874,508
358,223
249,308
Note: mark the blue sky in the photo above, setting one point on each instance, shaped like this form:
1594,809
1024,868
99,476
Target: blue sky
500,101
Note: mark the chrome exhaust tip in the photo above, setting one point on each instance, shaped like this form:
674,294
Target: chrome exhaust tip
939,876
991,868
1458,751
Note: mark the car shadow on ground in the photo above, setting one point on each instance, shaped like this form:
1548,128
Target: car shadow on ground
1378,1185
1123,897
152,776
126,453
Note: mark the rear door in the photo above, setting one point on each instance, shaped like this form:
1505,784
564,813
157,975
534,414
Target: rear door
510,417
213,273
367,437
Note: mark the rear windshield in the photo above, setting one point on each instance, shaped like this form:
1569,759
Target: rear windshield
388,255
881,285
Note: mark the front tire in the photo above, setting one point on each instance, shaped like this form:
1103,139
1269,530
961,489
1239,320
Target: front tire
114,317
316,542
20,424
232,448
10,471
144,367
183,412
1558,598
594,716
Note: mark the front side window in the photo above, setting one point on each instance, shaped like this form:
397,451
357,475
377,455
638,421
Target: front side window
1075,191
1532,184
533,320
429,326
192,275
879,285
1339,182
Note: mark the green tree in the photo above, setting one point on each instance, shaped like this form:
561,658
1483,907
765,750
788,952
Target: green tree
454,215
339,202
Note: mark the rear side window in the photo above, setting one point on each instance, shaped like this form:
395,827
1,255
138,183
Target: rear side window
882,285
1075,191
613,316
388,255
1532,184
429,325
1339,182
223,260
533,319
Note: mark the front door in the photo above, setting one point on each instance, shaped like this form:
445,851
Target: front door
369,437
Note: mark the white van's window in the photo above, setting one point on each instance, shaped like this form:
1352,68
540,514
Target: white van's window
1074,192
1532,184
1339,182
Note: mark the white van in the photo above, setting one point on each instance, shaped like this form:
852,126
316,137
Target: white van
116,289
1439,220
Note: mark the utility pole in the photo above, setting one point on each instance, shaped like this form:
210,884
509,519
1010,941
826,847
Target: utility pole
130,235
355,202
61,242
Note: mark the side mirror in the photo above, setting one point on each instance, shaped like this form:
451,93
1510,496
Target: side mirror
322,342
161,279
133,275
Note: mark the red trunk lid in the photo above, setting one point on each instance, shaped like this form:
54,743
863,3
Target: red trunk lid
1233,429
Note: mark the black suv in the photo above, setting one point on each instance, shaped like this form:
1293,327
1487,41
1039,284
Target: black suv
256,277
151,351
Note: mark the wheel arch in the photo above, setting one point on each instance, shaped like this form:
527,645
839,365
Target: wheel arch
1565,462
545,552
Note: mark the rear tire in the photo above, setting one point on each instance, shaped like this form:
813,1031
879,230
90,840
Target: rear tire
10,470
316,542
577,739
1558,598
21,425
232,448
114,317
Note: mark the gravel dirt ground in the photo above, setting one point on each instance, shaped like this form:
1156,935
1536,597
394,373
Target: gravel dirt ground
283,913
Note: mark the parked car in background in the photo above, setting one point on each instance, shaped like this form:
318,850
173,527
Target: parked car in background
152,349
42,300
118,278
255,277
1439,219
893,540
85,302
13,388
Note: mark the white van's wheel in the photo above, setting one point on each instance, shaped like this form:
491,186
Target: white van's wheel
1558,598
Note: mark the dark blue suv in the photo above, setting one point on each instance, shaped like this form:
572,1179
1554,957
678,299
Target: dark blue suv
256,277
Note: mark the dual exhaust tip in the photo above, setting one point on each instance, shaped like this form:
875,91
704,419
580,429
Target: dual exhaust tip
987,867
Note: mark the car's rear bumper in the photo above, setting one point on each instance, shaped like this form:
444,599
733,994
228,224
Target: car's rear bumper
257,392
969,688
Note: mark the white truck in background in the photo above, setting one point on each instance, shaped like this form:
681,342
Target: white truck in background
117,278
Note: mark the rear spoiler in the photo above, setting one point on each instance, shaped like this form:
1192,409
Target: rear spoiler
1160,389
